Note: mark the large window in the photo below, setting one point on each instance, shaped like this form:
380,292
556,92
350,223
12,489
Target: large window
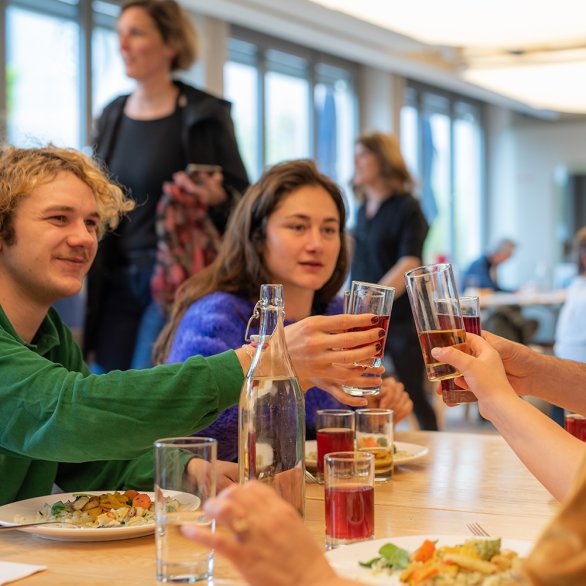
56,81
442,140
108,78
43,86
290,102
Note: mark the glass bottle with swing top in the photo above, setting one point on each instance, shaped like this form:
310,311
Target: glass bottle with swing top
271,413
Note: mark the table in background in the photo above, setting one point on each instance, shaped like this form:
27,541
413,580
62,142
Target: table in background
541,307
524,299
464,478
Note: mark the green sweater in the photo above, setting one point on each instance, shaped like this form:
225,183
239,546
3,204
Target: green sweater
60,424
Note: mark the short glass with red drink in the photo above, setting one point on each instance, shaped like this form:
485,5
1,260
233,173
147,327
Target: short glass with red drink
349,497
334,433
452,394
576,425
438,318
370,298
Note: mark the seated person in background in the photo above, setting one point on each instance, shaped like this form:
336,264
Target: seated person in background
499,372
481,274
570,335
289,228
60,424
506,320
262,528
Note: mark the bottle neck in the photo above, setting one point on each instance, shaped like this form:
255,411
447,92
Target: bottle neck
272,357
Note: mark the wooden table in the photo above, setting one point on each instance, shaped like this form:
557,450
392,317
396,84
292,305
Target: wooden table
464,478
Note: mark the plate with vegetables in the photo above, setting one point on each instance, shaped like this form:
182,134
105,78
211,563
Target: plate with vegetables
99,516
418,560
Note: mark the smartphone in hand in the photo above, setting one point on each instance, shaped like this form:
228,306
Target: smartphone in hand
195,169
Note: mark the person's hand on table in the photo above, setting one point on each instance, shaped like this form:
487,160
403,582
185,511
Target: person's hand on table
393,396
208,190
226,472
483,373
324,351
265,538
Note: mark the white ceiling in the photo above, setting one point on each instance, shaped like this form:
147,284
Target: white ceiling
533,51
507,52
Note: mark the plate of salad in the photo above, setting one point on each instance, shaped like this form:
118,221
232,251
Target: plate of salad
99,516
420,560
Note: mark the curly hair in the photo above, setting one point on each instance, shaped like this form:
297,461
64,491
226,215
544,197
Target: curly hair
175,27
239,267
393,169
24,169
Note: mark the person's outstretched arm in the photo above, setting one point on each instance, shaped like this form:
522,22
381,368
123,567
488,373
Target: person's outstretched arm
550,453
558,381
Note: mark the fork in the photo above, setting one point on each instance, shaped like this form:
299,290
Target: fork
311,479
23,525
477,529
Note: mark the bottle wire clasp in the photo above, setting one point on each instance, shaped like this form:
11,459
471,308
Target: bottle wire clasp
255,316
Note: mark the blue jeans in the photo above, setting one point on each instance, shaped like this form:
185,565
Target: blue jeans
150,327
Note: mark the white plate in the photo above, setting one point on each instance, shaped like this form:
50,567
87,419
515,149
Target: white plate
413,452
345,559
30,507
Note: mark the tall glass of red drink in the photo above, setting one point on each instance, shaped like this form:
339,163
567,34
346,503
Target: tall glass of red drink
349,497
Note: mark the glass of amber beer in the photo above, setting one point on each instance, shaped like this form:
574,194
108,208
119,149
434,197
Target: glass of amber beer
438,318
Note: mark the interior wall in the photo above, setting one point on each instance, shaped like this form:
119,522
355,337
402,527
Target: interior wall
378,93
526,156
208,71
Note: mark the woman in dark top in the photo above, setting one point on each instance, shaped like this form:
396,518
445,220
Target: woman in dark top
389,236
146,139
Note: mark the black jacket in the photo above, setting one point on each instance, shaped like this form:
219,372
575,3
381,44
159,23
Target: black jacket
207,136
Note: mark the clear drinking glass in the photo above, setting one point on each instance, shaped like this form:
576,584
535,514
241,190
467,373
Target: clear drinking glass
436,310
349,497
374,434
452,394
334,433
370,298
179,500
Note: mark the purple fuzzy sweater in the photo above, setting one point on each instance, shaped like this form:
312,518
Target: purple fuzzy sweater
217,323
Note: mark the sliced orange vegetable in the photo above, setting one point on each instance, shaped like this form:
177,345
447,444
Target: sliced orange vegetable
425,551
142,500
130,494
424,573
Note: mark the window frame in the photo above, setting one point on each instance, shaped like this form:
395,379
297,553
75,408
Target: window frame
414,95
82,13
265,43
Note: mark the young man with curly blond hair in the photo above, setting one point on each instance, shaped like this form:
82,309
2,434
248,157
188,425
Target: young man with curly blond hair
59,423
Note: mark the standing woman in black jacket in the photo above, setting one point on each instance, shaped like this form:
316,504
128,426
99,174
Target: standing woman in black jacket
146,139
